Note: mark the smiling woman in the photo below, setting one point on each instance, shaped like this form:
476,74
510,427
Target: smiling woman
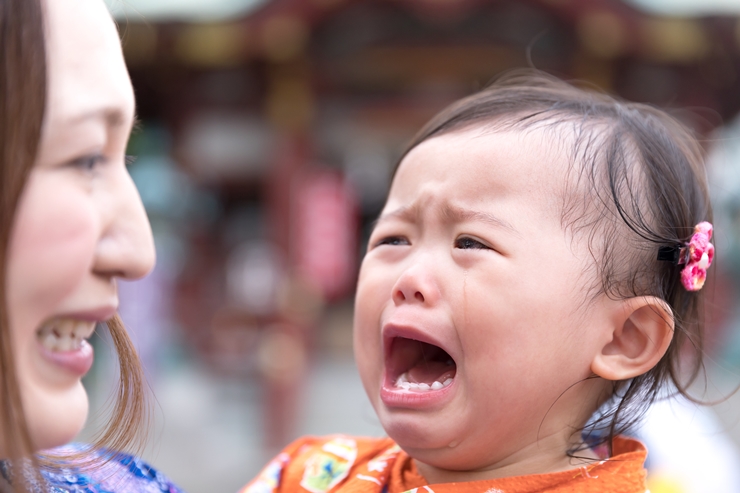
71,224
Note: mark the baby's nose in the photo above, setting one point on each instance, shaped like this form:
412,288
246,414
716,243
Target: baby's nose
416,285
400,296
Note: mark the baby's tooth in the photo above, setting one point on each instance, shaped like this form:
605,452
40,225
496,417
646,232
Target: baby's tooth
405,385
437,386
412,385
401,382
447,382
424,386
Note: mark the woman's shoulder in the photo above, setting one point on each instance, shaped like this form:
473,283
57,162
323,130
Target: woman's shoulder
77,468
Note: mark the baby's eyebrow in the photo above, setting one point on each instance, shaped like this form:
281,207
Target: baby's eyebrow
458,214
450,213
407,214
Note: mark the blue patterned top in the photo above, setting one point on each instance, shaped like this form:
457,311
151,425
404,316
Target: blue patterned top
123,473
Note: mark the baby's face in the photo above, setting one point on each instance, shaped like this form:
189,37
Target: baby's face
470,319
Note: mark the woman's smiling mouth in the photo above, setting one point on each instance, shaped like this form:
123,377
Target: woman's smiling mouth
63,343
65,334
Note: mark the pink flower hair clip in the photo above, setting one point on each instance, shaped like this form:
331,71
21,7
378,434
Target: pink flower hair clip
697,255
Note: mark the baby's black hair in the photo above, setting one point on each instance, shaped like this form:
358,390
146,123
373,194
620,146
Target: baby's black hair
641,185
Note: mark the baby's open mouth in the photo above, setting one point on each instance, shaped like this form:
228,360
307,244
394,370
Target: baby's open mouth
419,366
64,334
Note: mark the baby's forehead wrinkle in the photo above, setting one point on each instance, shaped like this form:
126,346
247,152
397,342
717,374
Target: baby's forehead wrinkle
404,213
457,214
448,213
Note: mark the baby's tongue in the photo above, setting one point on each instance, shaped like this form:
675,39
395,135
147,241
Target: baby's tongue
433,371
435,365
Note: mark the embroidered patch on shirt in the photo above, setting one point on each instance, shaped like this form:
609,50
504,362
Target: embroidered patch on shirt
328,467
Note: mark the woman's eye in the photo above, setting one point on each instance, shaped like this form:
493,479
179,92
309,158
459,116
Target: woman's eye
89,163
393,241
468,243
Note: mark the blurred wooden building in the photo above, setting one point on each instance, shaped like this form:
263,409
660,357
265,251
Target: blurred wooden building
297,92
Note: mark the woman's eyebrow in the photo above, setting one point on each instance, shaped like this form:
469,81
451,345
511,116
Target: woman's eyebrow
112,116
459,214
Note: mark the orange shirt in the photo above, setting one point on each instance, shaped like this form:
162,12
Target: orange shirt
342,464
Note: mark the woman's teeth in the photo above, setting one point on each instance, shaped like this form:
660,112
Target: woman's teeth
403,383
65,334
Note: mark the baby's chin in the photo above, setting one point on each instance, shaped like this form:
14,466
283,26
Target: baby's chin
447,444
55,418
455,456
434,443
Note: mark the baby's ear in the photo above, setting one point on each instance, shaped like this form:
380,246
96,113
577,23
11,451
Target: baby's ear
641,334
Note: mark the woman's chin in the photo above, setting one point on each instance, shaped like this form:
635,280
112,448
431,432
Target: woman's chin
55,417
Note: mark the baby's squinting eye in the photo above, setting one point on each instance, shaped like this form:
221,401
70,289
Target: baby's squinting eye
469,243
89,163
393,241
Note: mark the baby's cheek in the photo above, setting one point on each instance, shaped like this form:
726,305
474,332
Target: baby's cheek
367,326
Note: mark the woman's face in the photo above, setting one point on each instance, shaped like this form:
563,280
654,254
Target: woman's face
79,225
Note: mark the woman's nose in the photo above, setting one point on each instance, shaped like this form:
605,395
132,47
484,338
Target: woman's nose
416,284
126,246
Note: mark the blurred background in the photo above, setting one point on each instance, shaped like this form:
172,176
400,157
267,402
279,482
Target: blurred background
268,133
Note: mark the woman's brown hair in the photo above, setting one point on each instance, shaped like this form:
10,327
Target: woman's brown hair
641,185
23,89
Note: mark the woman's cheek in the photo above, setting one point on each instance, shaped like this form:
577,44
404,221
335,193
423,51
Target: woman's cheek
51,251
52,246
